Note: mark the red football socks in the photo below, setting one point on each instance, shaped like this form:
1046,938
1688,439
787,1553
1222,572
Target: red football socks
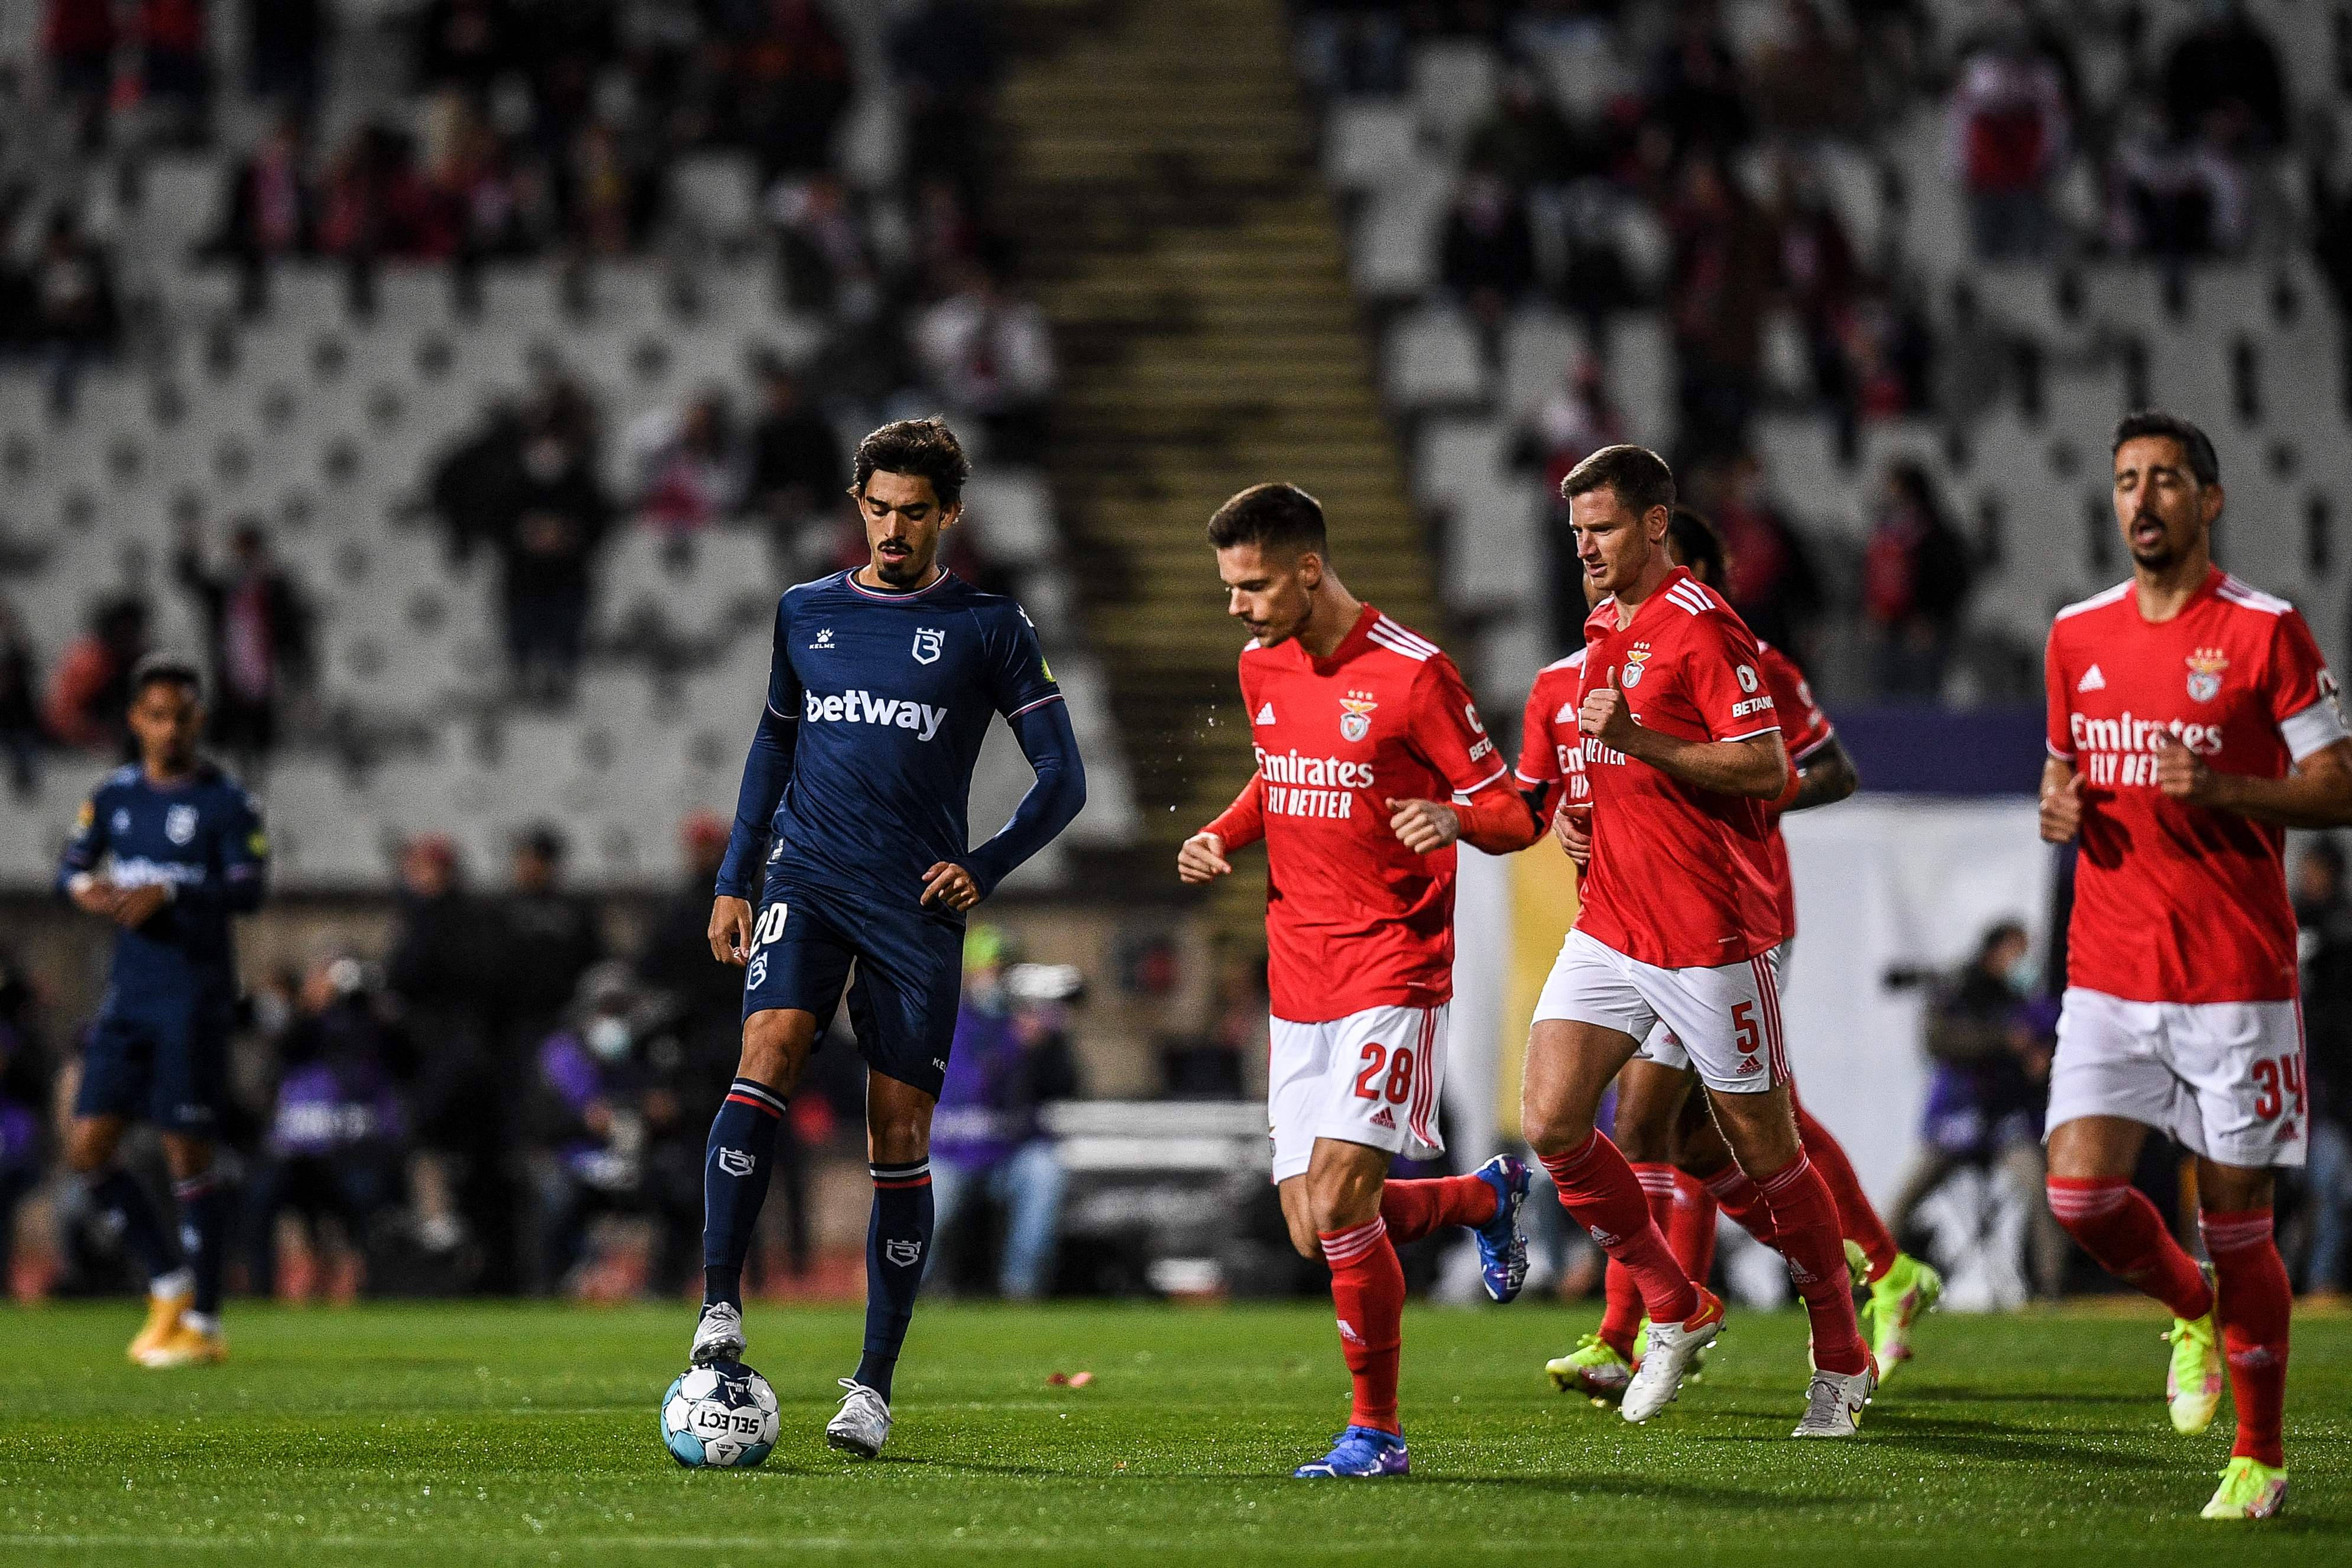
1690,1233
2120,1227
1804,1221
1368,1293
1600,1193
1415,1209
2256,1302
1621,1314
1858,1222
1744,1202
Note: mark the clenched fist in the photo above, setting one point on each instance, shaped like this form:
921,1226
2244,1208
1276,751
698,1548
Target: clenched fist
1201,860
2180,773
2061,810
1605,716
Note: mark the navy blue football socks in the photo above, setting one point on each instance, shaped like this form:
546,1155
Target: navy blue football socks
203,1236
897,1245
122,1203
736,1164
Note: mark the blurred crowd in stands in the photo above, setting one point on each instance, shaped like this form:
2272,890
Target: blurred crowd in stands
2073,139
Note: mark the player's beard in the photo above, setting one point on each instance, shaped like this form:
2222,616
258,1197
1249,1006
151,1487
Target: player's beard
904,572
2158,556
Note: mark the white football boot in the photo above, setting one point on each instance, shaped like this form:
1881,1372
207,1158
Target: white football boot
1673,1350
862,1425
720,1335
1834,1403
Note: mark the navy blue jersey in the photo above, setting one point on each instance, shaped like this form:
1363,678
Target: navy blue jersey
892,695
204,838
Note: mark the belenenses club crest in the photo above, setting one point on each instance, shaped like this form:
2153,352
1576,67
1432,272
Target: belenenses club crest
1630,674
1356,715
2205,667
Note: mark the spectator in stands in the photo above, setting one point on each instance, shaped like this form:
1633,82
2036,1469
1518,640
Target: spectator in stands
1770,576
1012,1055
76,320
466,44
78,40
373,206
1986,1092
1816,269
547,526
790,85
825,259
1723,271
332,1162
1879,364
2324,918
549,938
286,41
20,705
1486,257
24,1102
2007,135
2178,197
1574,422
604,195
174,64
485,208
90,690
444,976
943,56
686,465
258,625
1524,140
1916,572
1808,80
990,353
2226,67
604,1106
1351,47
271,211
1694,93
798,472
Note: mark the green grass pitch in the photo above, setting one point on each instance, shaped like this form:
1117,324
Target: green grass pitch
442,1435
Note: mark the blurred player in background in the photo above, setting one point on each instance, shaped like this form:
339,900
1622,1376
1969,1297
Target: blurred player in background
168,850
1663,1130
851,834
2192,720
1371,763
1679,920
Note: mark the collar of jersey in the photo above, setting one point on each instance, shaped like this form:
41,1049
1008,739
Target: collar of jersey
1609,626
1358,638
899,597
2214,578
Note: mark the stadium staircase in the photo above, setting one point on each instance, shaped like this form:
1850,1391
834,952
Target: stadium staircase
1160,163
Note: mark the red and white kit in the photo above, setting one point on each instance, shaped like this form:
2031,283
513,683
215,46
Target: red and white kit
1679,913
2181,1008
1360,929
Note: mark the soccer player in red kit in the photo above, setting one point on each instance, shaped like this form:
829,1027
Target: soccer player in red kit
1679,917
1662,1128
2191,721
1371,761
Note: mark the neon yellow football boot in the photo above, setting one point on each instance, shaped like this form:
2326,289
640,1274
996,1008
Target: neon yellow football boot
1899,1299
1592,1369
2192,1383
2248,1489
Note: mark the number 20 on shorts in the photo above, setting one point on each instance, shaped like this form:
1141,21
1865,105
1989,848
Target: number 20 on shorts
1399,1083
771,927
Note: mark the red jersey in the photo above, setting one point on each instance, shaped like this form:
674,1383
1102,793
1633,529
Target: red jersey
1804,730
1353,918
1551,750
2176,902
1681,878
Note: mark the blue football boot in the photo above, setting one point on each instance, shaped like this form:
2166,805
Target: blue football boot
1359,1452
1502,1250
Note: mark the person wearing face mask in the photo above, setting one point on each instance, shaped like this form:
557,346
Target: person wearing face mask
1986,1092
595,1090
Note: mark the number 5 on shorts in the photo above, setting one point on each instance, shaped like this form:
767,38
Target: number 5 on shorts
1400,1079
1743,1024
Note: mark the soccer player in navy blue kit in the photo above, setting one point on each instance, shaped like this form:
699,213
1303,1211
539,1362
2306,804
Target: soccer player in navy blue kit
850,835
168,850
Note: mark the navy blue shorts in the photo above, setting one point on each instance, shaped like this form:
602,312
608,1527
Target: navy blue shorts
170,1072
909,976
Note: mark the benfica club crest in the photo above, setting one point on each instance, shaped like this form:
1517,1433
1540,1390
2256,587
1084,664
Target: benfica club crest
1629,675
1356,715
2205,667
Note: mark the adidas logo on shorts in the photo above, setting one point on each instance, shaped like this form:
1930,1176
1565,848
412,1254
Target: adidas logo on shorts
1382,1118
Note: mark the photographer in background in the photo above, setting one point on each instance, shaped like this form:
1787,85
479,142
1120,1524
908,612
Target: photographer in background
2323,918
1986,1095
1012,1055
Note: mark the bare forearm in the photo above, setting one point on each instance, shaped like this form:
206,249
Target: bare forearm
1758,769
2298,800
1827,779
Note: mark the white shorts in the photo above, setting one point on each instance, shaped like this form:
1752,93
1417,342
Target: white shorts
1371,1078
1662,1047
2224,1079
1724,1022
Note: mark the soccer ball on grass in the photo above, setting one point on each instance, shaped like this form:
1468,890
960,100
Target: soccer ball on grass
721,1417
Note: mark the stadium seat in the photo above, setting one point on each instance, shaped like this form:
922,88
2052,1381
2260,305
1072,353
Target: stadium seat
1454,83
716,195
1539,349
1368,142
1434,360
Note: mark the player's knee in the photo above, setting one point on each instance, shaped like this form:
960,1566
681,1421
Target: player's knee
1303,1239
1553,1129
768,1057
898,1138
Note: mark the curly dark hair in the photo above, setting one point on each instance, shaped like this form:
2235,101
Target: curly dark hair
923,449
